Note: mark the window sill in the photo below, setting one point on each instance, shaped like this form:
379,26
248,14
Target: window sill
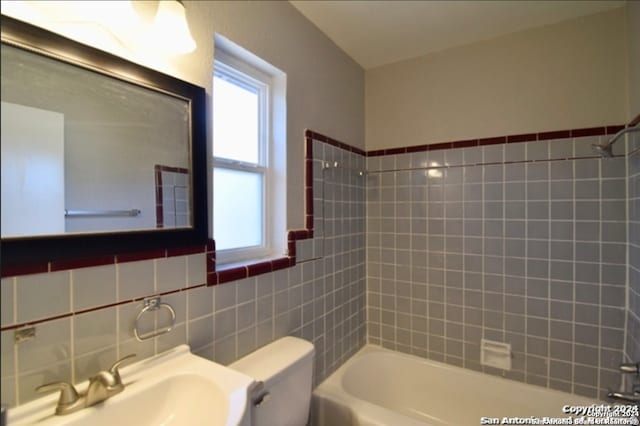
249,268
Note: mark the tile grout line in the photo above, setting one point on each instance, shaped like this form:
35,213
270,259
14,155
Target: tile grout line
575,270
549,299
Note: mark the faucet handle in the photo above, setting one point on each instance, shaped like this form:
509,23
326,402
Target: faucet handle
114,370
68,393
632,368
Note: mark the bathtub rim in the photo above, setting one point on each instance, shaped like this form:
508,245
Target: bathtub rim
370,413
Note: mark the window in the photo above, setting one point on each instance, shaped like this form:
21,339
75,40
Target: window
245,163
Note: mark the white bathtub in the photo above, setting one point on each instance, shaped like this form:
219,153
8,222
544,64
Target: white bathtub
382,387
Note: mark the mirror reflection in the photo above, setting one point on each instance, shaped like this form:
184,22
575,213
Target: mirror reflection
86,152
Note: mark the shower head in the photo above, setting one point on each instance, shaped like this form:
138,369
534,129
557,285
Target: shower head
605,149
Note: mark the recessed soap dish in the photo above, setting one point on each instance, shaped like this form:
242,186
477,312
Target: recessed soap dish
495,354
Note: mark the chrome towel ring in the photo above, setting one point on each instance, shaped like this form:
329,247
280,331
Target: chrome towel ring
153,304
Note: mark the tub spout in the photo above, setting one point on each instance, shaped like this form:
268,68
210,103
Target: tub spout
630,397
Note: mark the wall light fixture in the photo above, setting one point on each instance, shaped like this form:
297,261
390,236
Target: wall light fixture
170,31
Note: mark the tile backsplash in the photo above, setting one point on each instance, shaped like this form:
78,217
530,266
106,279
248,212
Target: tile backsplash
429,251
522,243
84,317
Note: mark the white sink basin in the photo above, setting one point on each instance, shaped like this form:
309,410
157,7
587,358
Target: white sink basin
173,388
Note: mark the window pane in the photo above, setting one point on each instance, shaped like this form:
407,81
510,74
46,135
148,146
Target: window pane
237,209
235,121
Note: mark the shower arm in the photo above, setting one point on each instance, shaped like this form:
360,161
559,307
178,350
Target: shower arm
622,132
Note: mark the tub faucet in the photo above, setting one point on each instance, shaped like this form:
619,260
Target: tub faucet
102,386
632,397
630,368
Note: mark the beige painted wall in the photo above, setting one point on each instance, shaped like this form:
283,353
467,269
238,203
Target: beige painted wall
325,87
568,75
633,44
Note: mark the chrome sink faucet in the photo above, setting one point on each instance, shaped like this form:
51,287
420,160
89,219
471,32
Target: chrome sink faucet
102,386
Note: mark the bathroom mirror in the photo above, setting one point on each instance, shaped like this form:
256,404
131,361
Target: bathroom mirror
99,155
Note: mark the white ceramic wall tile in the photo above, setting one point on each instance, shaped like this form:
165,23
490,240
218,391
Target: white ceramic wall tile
246,341
582,147
246,315
264,308
205,352
89,365
264,332
246,290
225,296
94,330
8,390
171,273
142,350
28,382
225,323
200,302
7,362
524,265
135,279
225,350
127,318
196,269
200,332
178,302
7,288
93,287
332,293
51,345
43,295
265,283
177,336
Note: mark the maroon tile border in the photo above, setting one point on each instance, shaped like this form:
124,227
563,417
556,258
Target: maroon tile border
310,134
488,141
17,270
592,131
144,255
62,265
282,263
612,130
185,251
232,274
526,137
259,268
302,234
558,134
215,276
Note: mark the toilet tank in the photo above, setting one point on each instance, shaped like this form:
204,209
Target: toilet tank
285,367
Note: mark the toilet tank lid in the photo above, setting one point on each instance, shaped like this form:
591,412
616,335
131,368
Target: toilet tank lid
269,361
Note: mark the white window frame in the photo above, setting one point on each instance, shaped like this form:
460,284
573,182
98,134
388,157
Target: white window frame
244,75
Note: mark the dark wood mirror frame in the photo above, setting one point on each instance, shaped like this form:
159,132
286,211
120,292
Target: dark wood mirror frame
29,250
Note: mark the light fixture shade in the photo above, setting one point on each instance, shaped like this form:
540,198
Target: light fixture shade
170,29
